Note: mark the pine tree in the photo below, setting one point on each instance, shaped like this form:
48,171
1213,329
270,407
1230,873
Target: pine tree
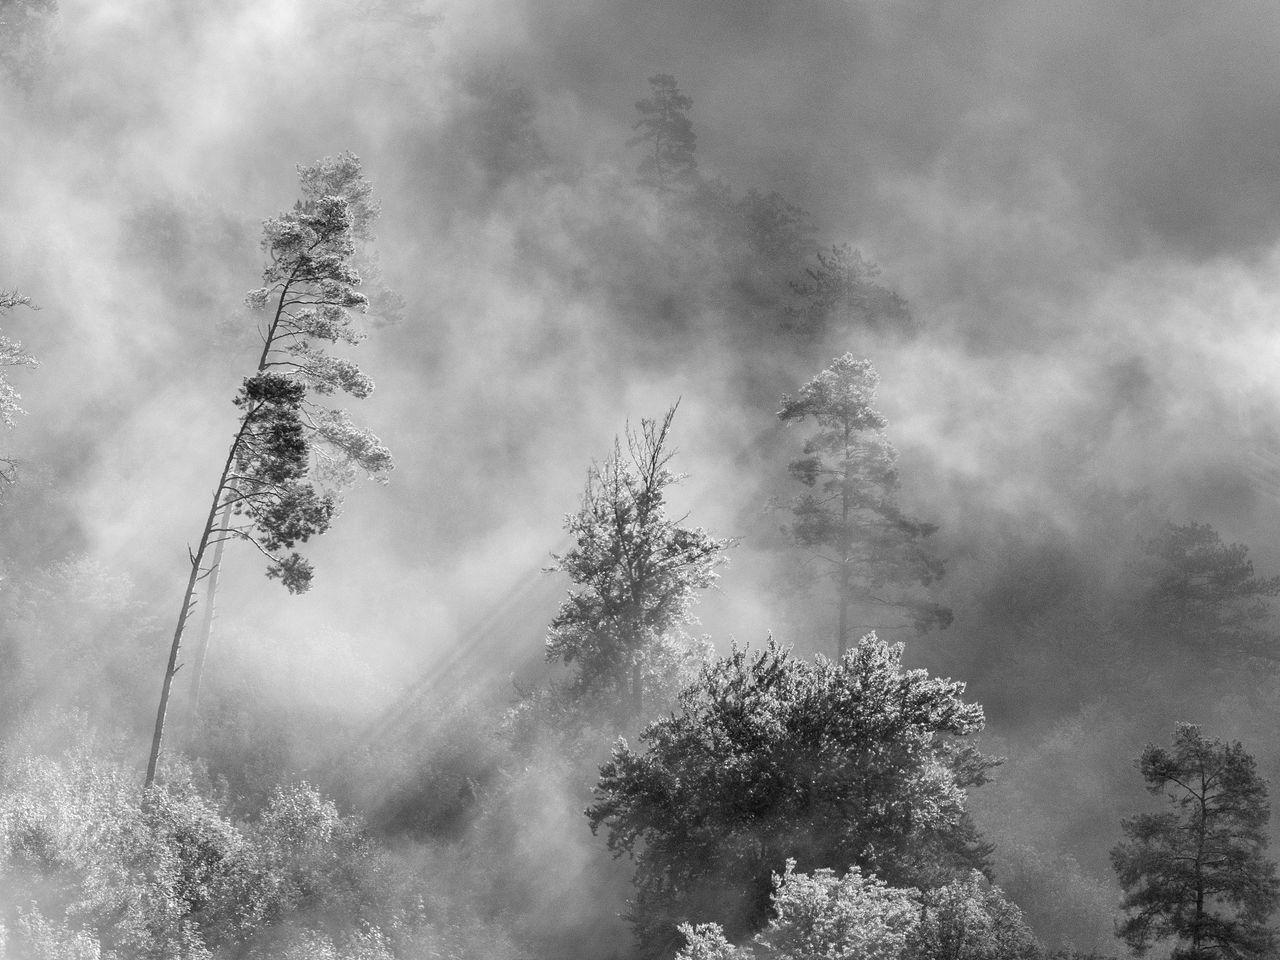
1206,599
1197,872
852,521
667,133
841,294
291,455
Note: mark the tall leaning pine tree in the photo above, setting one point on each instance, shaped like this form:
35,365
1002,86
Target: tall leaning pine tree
291,454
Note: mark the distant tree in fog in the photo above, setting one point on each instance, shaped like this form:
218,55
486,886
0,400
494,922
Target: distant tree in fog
666,133
500,127
636,573
1196,873
840,294
11,355
1205,597
291,455
851,522
770,758
392,44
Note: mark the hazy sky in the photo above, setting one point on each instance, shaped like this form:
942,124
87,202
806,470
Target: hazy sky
1078,203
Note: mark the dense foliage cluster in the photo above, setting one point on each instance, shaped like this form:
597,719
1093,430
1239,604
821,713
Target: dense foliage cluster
855,762
841,291
108,872
859,917
636,573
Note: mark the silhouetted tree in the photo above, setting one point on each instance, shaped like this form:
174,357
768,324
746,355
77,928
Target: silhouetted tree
775,228
636,571
768,758
667,134
841,294
1197,873
1206,598
852,521
501,131
290,456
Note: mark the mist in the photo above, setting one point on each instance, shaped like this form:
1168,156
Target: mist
1077,206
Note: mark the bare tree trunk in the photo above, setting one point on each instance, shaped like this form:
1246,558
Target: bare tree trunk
842,628
637,690
171,670
206,625
846,546
188,599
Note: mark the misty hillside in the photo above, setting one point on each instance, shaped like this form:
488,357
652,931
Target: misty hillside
818,496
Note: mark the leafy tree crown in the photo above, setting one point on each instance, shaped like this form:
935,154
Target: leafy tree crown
769,757
636,570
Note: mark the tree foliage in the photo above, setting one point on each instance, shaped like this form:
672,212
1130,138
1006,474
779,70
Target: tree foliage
822,916
667,135
269,485
971,918
840,294
855,762
291,454
851,521
637,572
102,875
310,294
1197,873
1205,597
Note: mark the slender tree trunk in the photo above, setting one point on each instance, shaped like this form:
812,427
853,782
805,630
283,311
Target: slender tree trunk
206,625
842,627
846,547
171,670
657,163
188,600
211,590
637,690
1202,828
